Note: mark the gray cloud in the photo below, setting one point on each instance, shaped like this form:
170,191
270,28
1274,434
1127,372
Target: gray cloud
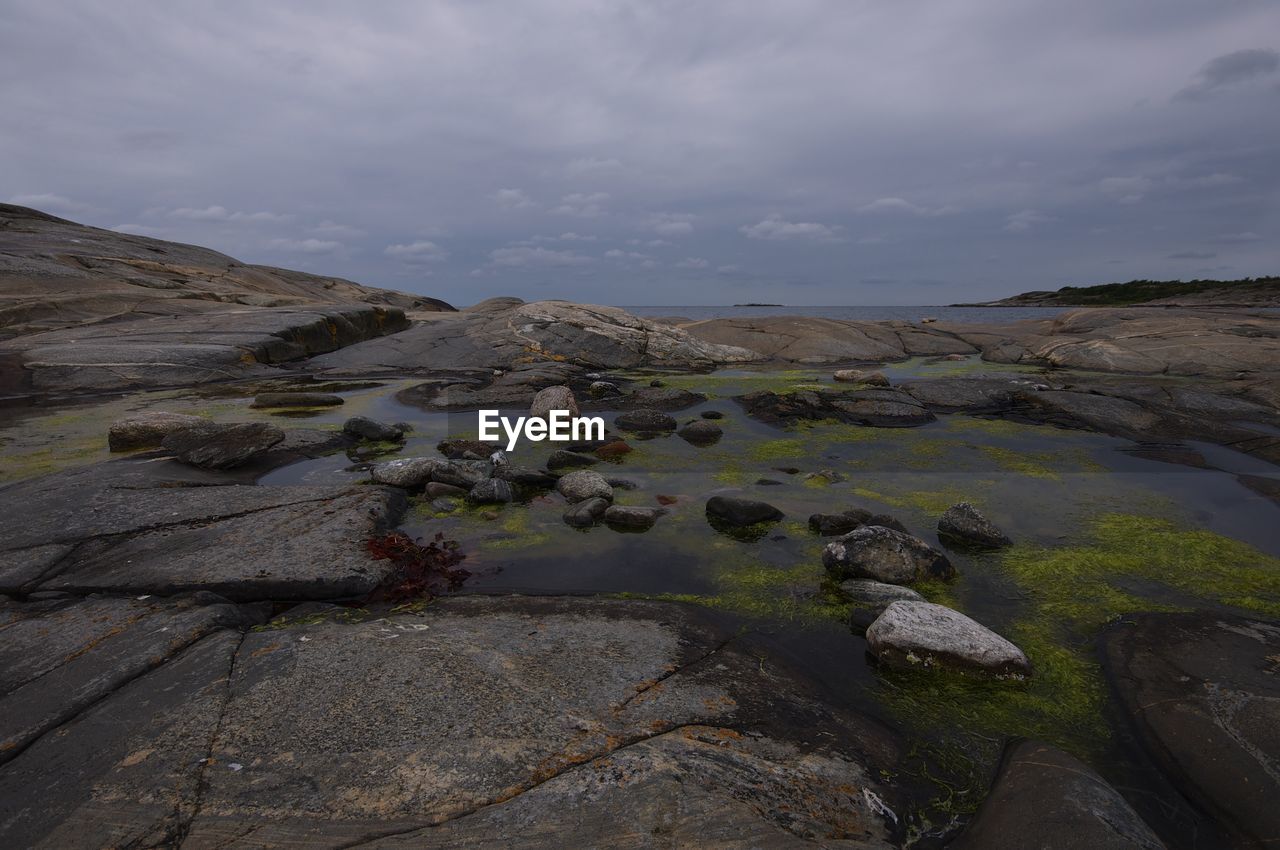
1230,69
464,150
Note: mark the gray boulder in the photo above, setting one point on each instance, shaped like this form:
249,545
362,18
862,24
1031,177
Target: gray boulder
364,428
884,554
406,472
877,594
436,490
660,397
645,420
1044,798
924,635
631,518
586,513
553,398
461,473
147,430
584,484
561,459
964,526
491,491
738,513
701,432
212,445
525,477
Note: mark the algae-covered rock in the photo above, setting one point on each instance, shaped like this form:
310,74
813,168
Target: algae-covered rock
921,634
884,554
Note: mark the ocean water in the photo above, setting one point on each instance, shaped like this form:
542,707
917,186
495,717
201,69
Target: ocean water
972,315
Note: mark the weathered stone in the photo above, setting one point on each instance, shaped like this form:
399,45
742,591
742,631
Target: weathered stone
884,554
436,490
1044,798
212,445
922,634
963,525
463,449
660,397
701,433
586,513
561,459
584,484
643,420
830,525
737,512
147,430
972,395
364,428
1088,410
461,473
524,477
882,408
631,518
406,472
1200,691
296,400
491,491
553,398
860,376
877,594
601,389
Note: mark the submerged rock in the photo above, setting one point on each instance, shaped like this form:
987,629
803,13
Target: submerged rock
370,429
659,397
525,477
584,484
701,433
212,445
461,473
631,518
832,525
645,419
859,376
406,472
711,414
586,513
884,554
436,490
922,634
553,398
741,512
463,449
1044,798
296,400
147,430
877,594
963,525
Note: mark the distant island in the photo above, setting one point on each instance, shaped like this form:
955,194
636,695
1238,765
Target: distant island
759,305
1249,292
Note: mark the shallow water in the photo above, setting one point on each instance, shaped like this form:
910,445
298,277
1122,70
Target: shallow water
1098,530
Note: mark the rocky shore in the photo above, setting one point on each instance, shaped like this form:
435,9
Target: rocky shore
821,583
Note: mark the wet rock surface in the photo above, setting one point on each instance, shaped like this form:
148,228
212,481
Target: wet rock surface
213,445
737,512
645,420
1045,798
883,408
298,399
884,554
147,430
584,484
964,526
1201,693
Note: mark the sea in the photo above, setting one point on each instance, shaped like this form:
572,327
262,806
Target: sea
969,315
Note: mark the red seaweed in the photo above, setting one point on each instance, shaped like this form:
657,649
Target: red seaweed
420,571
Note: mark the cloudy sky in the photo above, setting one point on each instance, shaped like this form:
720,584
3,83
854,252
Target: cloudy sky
807,152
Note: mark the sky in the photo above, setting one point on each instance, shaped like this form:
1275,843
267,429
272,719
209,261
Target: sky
663,153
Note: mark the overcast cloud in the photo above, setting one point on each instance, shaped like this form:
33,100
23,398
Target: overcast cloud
841,152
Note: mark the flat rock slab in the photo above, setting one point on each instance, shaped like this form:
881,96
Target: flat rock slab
122,527
57,659
478,722
1203,694
1046,799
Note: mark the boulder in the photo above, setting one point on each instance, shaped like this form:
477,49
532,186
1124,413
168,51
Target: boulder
830,525
463,449
1200,692
1047,799
584,484
963,526
645,420
884,554
406,472
858,376
659,397
586,513
924,635
212,445
737,513
491,491
877,594
525,477
364,428
601,389
147,430
296,400
553,398
701,432
631,518
461,473
436,490
561,459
